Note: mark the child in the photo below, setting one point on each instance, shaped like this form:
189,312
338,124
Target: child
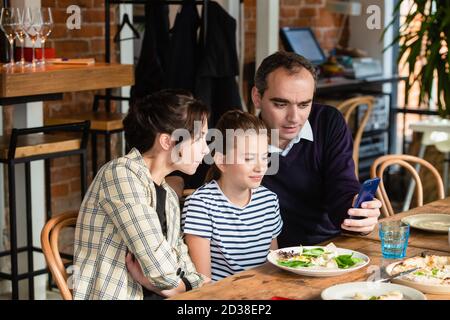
232,222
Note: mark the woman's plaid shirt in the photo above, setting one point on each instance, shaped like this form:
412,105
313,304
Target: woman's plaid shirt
118,212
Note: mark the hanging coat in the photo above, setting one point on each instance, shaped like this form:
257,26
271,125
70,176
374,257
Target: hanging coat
150,70
216,83
183,52
168,58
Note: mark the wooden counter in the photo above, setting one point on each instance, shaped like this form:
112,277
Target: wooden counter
27,81
423,239
267,281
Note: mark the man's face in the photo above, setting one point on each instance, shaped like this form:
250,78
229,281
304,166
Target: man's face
286,103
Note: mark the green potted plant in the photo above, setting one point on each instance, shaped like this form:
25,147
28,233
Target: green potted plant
423,44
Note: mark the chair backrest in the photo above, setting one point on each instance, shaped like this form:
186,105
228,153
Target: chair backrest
49,241
188,192
347,107
380,164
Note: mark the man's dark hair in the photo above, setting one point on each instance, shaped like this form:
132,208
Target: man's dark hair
161,112
291,62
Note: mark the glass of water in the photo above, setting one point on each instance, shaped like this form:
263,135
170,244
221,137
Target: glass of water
394,237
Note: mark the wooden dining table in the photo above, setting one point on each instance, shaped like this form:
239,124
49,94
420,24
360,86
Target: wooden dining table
268,281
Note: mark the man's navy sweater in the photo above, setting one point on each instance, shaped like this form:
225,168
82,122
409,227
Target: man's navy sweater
316,181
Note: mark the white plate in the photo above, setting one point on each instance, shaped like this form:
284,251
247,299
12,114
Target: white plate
272,257
424,287
432,222
346,291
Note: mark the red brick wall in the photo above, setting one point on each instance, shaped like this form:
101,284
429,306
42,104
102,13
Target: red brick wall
86,42
295,13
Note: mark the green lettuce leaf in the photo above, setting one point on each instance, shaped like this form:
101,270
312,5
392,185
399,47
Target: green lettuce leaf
346,261
294,264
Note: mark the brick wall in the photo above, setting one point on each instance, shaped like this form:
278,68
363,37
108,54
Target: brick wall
86,42
295,13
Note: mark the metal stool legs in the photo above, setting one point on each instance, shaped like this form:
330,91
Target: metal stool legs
13,232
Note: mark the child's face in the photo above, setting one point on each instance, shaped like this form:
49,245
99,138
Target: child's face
248,163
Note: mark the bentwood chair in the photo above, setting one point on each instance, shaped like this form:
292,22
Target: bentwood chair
347,107
380,165
50,236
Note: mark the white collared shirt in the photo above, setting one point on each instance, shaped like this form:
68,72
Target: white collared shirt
305,133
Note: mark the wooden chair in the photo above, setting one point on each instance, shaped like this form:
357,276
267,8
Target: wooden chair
347,107
103,123
383,162
49,241
188,192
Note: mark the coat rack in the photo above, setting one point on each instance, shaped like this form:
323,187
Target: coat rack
108,29
168,2
108,4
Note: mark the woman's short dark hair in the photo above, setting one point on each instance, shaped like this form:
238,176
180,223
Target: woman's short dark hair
161,112
290,61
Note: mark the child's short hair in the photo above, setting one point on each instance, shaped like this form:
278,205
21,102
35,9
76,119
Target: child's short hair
234,119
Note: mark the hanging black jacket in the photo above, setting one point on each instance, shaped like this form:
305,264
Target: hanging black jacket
216,73
150,70
183,52
168,58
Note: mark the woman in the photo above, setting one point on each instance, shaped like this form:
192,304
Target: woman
131,216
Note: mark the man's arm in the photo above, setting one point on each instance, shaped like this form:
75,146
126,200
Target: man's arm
340,181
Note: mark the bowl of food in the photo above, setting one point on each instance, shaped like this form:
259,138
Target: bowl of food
371,291
432,274
318,261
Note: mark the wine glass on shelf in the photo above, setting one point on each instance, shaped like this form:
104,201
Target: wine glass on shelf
20,32
45,30
7,26
32,23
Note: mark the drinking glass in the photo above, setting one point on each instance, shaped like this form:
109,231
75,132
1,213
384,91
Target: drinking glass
7,26
32,23
20,32
394,237
46,29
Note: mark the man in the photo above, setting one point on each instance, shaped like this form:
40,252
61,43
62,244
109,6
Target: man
315,183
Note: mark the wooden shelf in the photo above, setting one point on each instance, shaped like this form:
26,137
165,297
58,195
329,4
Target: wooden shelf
102,121
28,81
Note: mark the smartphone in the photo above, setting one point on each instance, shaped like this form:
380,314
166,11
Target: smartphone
366,193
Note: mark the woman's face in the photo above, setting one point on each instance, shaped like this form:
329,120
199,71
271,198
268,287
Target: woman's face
192,152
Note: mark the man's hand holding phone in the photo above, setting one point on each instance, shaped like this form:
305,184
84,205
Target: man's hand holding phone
363,217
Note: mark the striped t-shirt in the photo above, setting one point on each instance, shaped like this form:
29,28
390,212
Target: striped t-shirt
240,238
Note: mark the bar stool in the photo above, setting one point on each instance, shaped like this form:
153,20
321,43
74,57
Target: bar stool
102,122
25,146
